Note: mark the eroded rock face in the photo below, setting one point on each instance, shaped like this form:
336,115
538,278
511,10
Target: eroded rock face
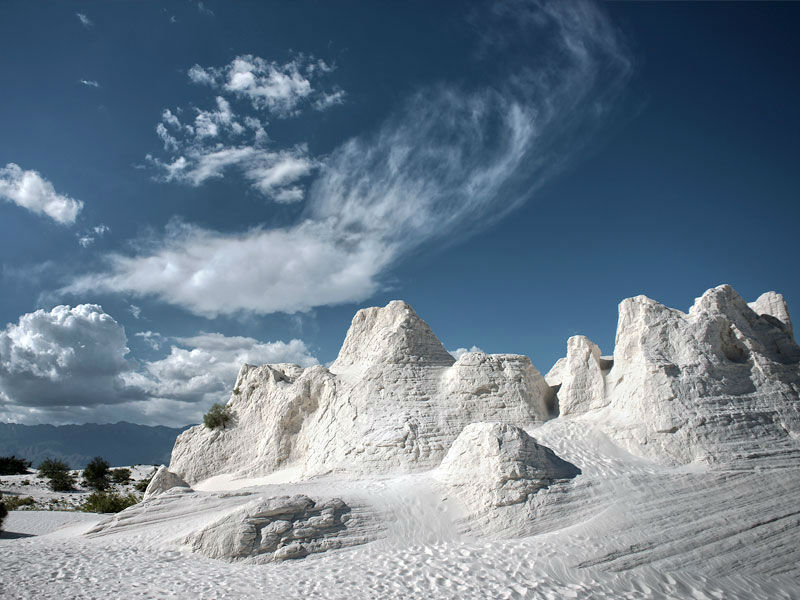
278,528
579,377
494,464
714,384
394,400
163,481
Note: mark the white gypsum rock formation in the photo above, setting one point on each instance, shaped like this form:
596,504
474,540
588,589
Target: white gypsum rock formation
579,377
494,464
278,528
394,400
162,481
715,384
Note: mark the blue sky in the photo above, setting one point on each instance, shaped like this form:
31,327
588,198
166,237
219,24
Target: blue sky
186,186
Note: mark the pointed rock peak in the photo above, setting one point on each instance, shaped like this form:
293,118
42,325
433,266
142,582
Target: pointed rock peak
393,334
722,299
774,305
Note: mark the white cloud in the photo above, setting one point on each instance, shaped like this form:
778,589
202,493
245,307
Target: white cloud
88,238
71,364
65,356
151,338
136,311
202,8
203,368
217,141
459,352
85,21
279,89
259,271
90,83
448,163
30,190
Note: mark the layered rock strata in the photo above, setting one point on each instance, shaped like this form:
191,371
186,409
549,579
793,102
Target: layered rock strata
394,400
715,384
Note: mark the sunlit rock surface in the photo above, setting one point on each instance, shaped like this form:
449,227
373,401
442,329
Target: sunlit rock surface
394,400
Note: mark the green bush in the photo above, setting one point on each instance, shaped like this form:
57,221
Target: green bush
52,466
121,476
3,512
57,471
108,502
11,465
141,486
218,416
14,502
96,474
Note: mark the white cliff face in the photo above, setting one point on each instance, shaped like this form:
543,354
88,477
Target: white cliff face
394,400
716,384
580,377
713,384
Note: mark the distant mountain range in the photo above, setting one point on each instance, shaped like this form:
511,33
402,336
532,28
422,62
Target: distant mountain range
119,443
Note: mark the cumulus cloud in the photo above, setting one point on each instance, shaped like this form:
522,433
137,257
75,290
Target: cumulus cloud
217,140
279,89
265,270
30,190
66,356
72,364
448,162
203,368
459,352
85,21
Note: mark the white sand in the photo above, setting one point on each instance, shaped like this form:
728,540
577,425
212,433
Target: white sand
625,528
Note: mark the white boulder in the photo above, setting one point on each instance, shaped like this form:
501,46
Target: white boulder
495,464
278,528
163,481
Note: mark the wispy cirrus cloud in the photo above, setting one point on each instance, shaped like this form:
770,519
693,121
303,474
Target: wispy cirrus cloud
33,192
87,238
85,21
89,83
450,161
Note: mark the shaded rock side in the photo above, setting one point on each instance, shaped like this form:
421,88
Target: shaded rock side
279,528
394,401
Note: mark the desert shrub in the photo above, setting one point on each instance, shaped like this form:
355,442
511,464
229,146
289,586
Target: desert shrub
141,486
120,476
11,465
96,474
57,471
14,502
3,512
108,502
218,416
62,482
52,466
